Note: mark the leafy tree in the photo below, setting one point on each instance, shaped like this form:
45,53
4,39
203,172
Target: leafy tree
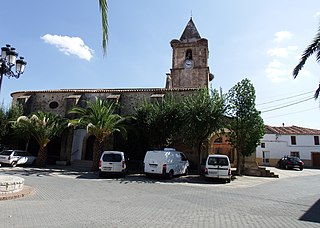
246,125
101,121
203,114
42,127
313,48
159,121
3,123
6,116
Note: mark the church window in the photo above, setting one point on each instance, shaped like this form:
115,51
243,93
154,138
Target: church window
53,105
189,54
218,140
157,98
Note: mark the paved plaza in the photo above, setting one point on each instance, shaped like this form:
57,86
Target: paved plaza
67,198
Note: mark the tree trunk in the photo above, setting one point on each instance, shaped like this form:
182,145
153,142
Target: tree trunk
42,157
97,150
238,163
243,163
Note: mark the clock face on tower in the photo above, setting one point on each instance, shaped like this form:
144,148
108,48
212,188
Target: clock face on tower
188,64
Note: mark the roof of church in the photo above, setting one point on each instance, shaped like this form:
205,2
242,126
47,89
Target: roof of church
190,33
106,90
291,130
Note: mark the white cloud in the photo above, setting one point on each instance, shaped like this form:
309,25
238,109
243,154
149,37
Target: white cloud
277,74
317,15
282,35
278,52
69,45
275,64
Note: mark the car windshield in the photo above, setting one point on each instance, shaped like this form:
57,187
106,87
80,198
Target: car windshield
217,161
6,152
111,158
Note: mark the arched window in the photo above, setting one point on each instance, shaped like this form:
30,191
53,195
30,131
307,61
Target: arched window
189,54
218,140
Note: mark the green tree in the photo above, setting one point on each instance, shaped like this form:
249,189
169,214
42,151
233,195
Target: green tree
159,121
6,116
203,114
101,121
313,48
3,123
246,125
42,127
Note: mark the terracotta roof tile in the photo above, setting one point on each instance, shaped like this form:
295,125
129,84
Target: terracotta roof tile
291,130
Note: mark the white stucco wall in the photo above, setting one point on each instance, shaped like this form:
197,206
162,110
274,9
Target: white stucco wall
280,145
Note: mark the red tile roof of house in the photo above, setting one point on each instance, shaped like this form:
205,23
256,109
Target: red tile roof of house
291,130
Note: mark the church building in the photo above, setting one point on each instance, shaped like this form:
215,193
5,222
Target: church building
189,72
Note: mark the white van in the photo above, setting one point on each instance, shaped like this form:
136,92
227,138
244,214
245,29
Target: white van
112,162
167,162
218,166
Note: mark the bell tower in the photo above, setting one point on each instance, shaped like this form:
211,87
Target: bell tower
190,60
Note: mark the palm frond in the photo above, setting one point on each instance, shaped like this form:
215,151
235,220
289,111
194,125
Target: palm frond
310,50
103,5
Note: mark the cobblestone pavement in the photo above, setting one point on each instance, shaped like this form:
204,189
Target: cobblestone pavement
66,198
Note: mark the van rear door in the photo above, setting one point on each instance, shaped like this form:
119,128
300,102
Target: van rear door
112,162
153,162
218,166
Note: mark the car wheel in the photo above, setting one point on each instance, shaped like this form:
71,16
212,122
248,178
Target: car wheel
34,162
301,168
14,164
228,180
170,174
286,167
101,174
186,173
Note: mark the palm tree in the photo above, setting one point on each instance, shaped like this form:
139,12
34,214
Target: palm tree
103,5
42,127
314,47
100,121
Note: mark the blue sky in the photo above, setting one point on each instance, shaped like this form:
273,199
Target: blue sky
259,40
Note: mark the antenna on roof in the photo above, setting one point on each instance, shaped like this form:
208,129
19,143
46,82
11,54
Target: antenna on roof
191,14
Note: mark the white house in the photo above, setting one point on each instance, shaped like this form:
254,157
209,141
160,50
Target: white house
296,141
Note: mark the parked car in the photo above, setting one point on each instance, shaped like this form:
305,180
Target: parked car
218,166
17,157
166,163
112,162
290,162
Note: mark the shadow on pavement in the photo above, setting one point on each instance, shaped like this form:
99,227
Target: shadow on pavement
313,214
68,171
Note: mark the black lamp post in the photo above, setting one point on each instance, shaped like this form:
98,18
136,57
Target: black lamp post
7,60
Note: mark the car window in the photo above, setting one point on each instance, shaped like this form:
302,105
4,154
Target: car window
294,159
20,153
217,161
183,157
112,158
6,152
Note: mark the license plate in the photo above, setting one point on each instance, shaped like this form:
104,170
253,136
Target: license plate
106,168
213,172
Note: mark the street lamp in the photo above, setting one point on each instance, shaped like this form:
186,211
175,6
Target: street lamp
7,60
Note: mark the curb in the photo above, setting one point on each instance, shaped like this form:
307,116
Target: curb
24,192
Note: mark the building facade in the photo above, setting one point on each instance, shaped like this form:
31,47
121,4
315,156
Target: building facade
189,72
291,140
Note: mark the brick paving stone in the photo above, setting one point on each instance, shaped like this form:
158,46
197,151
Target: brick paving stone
65,198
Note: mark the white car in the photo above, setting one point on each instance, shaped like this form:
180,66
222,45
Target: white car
112,162
218,166
17,157
167,162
